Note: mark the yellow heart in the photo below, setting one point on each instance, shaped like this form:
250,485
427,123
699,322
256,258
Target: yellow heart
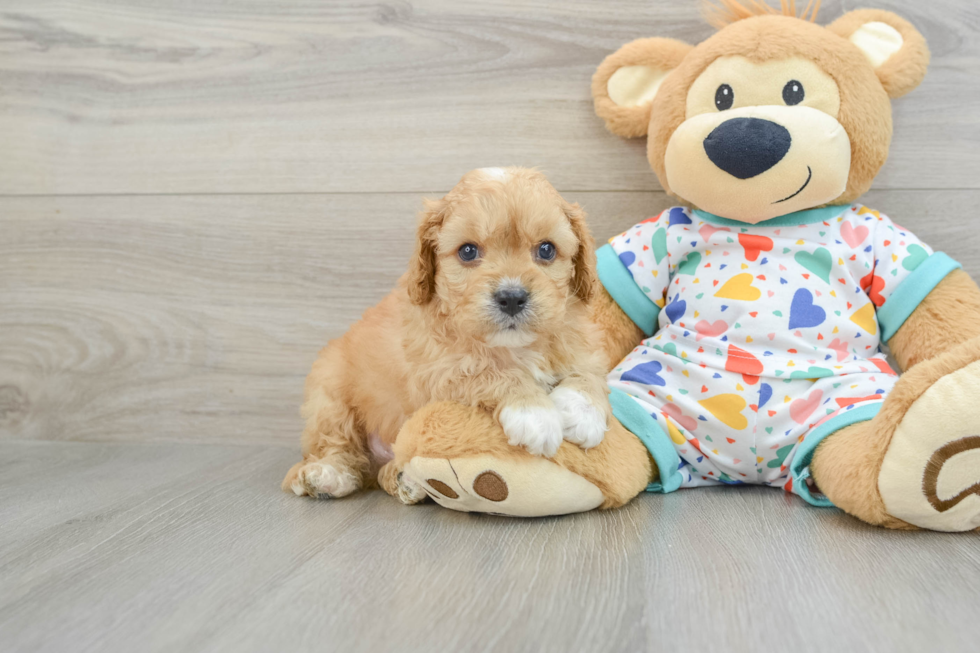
740,287
728,410
865,318
675,435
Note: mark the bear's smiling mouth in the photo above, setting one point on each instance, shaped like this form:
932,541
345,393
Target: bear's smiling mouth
809,176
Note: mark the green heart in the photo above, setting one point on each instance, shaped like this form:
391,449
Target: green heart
708,438
768,430
917,256
699,295
818,263
780,456
659,244
670,348
812,373
777,313
690,264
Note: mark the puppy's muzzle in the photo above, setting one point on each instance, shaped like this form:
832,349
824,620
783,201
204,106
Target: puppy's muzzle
511,301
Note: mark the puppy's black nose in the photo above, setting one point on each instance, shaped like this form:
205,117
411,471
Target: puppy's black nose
746,147
511,300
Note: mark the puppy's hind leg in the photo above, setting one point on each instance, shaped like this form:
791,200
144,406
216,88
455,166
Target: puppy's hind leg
335,462
392,480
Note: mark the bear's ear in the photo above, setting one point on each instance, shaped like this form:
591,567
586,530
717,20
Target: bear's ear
895,49
626,82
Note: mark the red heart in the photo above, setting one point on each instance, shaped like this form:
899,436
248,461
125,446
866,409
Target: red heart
742,362
873,285
754,244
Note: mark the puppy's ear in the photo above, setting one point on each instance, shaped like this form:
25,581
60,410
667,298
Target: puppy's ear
422,269
894,48
585,281
626,82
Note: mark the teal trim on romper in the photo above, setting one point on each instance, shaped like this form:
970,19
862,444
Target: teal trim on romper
623,289
641,424
800,467
809,216
916,287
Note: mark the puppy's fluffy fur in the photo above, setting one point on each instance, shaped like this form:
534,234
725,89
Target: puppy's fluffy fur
444,334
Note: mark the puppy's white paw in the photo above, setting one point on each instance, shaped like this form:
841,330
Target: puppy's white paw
324,481
409,492
536,428
582,422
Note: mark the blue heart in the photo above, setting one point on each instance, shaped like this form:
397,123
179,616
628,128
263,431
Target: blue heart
645,373
678,216
627,258
765,394
803,313
676,309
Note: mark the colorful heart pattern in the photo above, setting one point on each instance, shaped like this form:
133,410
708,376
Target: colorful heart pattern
765,332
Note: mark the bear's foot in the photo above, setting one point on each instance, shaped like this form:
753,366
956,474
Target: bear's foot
528,487
917,464
930,475
462,459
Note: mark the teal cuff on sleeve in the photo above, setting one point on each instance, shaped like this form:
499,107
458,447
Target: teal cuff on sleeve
645,427
800,467
622,288
912,292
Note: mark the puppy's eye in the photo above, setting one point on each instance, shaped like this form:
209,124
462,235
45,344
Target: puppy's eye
793,92
546,251
724,97
468,252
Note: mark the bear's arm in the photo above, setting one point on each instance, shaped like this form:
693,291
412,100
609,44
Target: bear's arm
948,316
620,335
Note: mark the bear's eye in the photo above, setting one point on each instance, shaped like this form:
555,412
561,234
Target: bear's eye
468,252
793,93
546,251
724,97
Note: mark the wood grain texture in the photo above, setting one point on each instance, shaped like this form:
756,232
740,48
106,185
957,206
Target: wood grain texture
163,547
197,318
169,96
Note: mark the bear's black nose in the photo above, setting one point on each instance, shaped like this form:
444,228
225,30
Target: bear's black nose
746,147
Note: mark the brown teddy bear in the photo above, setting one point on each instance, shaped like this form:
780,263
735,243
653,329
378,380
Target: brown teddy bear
744,335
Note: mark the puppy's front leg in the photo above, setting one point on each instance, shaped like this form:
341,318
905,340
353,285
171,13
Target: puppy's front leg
582,401
530,420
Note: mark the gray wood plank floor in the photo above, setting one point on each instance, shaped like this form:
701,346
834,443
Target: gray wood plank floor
187,191
166,547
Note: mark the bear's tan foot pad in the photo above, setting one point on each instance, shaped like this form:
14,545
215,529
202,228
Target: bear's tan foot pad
534,487
930,475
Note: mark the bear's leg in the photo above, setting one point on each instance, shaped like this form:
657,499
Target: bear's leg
461,457
917,464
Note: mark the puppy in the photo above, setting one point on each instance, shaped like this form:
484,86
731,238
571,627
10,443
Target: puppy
493,312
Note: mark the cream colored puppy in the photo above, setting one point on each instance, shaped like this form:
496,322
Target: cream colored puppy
493,312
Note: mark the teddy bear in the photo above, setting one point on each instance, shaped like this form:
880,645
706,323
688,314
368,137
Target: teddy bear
744,328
